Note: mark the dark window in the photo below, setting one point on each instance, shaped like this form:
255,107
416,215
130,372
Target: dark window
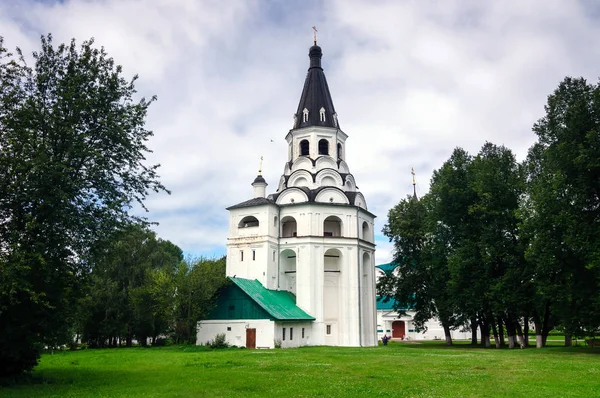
283,334
339,148
328,329
229,328
253,255
323,147
248,221
304,148
327,233
241,255
302,332
291,333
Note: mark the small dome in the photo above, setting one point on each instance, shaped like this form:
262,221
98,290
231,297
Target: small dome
259,180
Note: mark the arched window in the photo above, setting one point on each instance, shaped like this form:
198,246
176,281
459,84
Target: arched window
323,147
288,227
304,148
305,115
322,114
248,221
339,150
366,235
332,226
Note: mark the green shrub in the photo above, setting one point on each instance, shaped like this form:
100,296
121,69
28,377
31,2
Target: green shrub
220,341
277,343
162,342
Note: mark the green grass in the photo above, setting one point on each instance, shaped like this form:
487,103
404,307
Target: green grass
400,369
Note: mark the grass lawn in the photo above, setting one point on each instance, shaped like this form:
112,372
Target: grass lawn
400,369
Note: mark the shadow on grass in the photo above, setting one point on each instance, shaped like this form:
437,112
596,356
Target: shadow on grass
554,349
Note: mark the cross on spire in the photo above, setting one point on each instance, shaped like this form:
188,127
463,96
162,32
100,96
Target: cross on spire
260,166
412,171
315,34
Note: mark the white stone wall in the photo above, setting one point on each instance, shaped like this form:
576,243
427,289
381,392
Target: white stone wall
435,331
265,331
293,334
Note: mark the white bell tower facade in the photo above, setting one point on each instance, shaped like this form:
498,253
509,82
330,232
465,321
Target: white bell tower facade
314,236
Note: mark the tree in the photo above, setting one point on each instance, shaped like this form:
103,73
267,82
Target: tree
198,282
564,211
133,286
72,150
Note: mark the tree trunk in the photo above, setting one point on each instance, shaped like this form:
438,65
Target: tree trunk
539,342
501,332
473,331
495,331
520,333
546,325
447,333
526,330
568,341
510,331
484,326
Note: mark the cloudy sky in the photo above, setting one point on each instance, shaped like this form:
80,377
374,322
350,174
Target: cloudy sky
410,80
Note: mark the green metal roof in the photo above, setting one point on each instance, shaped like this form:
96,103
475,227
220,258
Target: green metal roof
389,305
280,304
388,267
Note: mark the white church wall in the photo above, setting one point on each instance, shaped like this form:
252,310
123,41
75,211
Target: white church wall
435,331
297,334
235,331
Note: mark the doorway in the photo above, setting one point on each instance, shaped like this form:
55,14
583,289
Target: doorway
398,329
250,338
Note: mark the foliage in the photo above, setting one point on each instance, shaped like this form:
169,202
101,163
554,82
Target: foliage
500,244
220,341
72,150
564,209
131,290
429,369
198,282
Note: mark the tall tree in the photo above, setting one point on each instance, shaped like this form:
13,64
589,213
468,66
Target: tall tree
72,150
198,282
564,204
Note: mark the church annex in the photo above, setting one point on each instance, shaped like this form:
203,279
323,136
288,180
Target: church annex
301,260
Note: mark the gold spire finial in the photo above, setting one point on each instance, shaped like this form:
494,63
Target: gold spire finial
315,34
412,171
260,166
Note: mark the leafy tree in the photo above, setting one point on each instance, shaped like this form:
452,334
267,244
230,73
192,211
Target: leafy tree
420,281
72,148
198,282
133,285
564,204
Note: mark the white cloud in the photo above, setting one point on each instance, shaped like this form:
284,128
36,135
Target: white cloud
410,81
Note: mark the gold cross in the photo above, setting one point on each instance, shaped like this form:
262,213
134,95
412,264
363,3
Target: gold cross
412,171
315,33
260,166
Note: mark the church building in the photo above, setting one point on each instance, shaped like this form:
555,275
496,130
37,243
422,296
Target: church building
301,261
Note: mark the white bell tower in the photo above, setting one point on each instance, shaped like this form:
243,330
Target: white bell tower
314,236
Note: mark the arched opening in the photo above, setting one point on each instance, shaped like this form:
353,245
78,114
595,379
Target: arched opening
332,265
398,329
289,227
301,182
304,148
248,221
323,147
366,235
332,226
287,277
367,289
328,182
339,151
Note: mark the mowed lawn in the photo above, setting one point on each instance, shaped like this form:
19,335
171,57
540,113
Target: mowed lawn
400,369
